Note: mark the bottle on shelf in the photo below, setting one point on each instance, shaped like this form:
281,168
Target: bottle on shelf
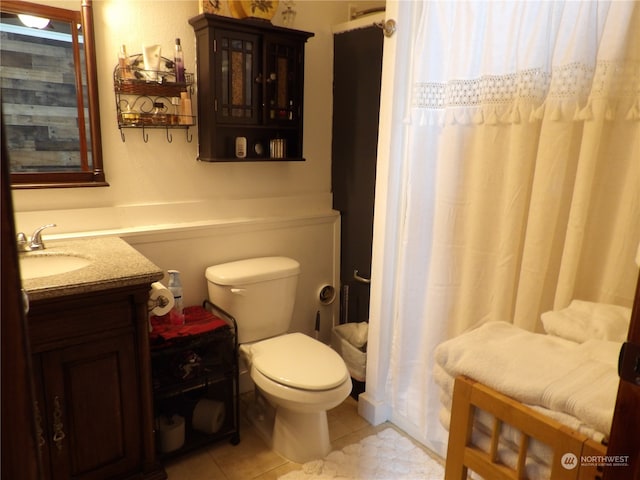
176,315
158,115
178,60
185,108
123,62
174,116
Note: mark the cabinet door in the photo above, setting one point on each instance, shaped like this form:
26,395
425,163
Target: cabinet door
237,77
93,409
283,80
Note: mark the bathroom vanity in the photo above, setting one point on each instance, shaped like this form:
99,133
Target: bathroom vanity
88,329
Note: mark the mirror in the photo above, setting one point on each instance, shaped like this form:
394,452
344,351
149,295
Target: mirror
50,96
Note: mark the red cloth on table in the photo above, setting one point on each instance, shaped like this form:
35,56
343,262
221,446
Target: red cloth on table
196,320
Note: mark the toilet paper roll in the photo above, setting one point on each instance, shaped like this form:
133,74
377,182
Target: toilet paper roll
208,416
170,433
161,300
326,294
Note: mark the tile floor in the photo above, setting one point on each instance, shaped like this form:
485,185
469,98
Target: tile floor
252,459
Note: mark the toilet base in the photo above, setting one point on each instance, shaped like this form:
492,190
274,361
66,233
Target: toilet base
262,416
301,436
297,436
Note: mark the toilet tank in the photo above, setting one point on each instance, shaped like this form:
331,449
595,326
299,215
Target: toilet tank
258,292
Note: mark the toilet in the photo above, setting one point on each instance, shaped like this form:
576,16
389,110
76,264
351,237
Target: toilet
298,377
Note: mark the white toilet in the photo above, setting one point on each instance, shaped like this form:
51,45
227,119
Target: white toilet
299,376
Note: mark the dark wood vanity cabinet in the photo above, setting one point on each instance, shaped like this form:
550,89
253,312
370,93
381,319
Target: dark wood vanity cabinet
250,89
92,382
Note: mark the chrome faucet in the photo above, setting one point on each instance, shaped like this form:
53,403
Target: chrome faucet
35,243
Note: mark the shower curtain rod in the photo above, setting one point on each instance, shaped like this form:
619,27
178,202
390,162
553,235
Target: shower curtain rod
367,11
388,27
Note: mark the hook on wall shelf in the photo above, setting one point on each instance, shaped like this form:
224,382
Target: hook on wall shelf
145,133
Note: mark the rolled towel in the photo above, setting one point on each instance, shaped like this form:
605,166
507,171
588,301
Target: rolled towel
354,333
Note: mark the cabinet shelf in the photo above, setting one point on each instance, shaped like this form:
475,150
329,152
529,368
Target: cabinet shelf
145,87
204,380
262,159
184,405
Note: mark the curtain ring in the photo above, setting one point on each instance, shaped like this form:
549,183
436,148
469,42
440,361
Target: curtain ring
388,27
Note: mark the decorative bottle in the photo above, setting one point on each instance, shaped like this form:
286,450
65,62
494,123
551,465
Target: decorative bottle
178,60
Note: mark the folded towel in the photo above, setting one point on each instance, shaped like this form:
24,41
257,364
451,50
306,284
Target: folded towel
196,320
582,320
509,457
579,380
539,456
483,421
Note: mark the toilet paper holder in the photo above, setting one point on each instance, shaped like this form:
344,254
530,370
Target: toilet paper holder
160,299
327,294
158,302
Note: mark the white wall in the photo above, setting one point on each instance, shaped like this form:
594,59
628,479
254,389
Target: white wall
308,240
159,172
186,214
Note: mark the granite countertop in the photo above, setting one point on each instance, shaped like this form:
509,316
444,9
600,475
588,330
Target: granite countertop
112,263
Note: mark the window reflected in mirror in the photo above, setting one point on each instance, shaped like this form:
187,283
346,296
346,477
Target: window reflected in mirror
50,110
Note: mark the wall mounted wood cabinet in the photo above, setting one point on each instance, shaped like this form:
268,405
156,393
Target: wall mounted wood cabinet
250,89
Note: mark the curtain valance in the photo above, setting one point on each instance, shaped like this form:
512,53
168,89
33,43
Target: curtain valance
568,59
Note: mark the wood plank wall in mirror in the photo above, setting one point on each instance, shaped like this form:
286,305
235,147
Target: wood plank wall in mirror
49,95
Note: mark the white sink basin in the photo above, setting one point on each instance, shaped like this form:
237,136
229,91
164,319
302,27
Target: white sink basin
44,264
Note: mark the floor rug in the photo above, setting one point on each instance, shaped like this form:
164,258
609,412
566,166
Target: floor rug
385,456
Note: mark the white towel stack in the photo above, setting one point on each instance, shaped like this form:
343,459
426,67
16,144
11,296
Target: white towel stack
576,384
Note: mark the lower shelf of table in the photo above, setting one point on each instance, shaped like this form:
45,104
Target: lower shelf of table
196,440
184,404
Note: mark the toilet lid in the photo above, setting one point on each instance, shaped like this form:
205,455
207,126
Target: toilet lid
299,361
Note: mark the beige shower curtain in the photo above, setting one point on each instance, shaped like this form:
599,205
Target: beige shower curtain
519,178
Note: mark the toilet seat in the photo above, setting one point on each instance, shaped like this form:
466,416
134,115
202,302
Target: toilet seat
298,361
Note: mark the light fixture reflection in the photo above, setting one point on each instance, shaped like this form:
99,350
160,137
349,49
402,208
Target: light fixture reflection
33,21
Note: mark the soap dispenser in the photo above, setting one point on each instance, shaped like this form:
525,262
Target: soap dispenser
175,287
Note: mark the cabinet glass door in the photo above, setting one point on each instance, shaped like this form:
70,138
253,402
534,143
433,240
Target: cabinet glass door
237,64
282,82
